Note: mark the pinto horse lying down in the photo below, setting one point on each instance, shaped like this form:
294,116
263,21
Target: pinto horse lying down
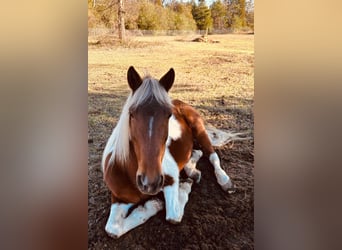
152,142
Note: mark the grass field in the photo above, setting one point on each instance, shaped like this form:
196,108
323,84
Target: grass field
217,79
211,76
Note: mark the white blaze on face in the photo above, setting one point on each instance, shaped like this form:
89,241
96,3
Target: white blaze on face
150,126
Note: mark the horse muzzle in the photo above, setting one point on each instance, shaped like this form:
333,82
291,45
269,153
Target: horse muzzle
148,186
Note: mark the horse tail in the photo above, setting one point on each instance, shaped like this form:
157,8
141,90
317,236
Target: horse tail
220,137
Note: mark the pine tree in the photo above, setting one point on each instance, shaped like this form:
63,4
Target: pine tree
202,15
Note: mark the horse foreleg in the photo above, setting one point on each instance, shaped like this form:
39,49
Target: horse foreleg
118,224
190,167
176,197
176,194
184,191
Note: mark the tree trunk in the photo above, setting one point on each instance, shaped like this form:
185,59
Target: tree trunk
121,23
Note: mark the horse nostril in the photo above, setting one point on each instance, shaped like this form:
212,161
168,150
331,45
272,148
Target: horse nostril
161,181
140,181
150,187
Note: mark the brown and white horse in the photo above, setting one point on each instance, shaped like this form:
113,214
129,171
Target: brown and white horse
151,144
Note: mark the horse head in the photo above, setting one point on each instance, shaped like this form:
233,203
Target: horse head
149,115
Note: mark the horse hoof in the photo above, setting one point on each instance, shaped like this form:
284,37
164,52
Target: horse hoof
186,184
112,232
188,180
174,222
113,236
197,177
229,188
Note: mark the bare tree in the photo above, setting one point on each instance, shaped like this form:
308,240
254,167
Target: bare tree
121,21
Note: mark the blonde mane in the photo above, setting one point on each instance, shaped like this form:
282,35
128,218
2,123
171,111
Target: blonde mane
118,142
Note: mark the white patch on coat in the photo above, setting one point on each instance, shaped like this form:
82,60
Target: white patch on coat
175,130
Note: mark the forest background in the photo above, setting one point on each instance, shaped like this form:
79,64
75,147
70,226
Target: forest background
218,16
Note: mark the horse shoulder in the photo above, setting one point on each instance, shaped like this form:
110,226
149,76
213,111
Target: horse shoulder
181,148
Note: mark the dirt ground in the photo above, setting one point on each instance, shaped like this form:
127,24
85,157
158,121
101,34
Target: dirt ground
217,79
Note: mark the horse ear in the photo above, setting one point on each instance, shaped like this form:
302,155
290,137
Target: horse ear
133,78
167,80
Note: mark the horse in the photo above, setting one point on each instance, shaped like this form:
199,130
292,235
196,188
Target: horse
151,143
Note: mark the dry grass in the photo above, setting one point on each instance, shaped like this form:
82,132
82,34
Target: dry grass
212,77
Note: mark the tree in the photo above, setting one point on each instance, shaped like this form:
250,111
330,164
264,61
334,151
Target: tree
232,8
182,16
150,16
236,13
218,13
202,15
103,13
143,14
242,10
121,20
250,13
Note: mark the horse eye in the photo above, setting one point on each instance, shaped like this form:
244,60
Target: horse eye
169,115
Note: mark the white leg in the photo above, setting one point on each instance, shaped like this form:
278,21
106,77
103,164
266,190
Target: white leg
190,167
222,178
171,192
117,214
118,225
172,207
184,191
175,204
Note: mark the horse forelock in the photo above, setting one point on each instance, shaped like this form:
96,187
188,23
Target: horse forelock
150,88
118,143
